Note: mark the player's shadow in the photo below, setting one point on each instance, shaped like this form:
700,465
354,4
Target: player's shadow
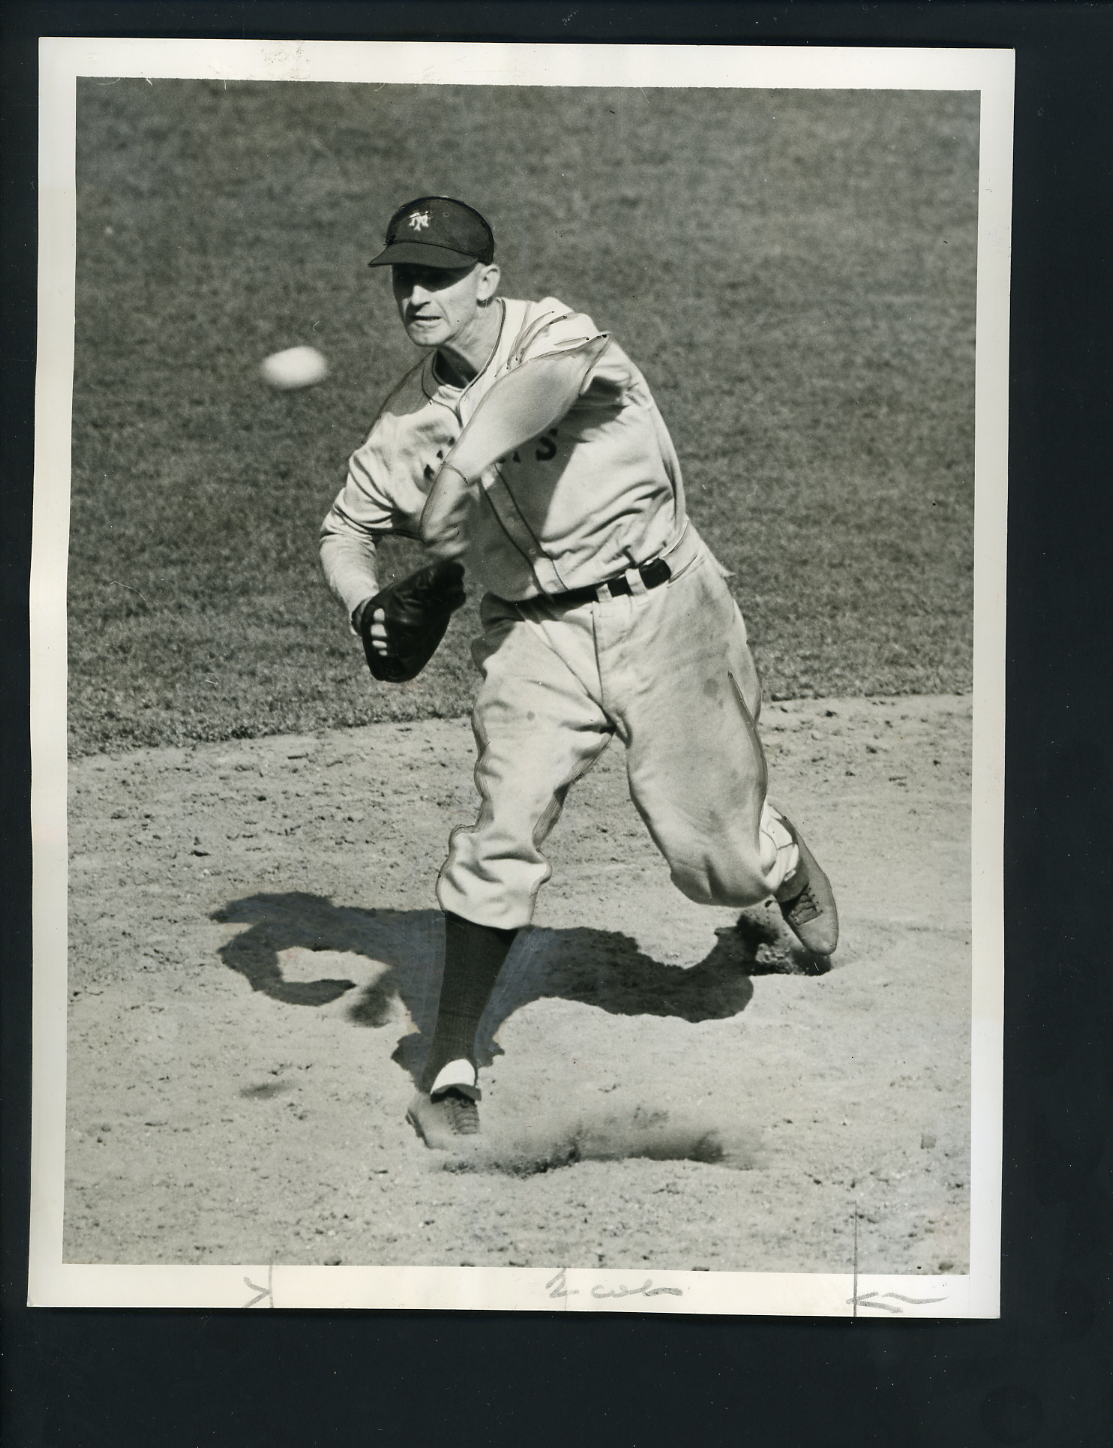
399,960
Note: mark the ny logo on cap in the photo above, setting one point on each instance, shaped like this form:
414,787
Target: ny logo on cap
419,220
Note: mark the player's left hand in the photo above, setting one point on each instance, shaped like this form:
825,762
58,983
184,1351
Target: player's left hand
376,634
402,624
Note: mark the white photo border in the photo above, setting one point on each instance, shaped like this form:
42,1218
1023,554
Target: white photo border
53,1282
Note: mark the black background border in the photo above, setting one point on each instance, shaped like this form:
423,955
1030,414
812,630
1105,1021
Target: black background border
1040,1376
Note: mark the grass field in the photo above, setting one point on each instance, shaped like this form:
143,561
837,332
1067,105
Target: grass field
794,271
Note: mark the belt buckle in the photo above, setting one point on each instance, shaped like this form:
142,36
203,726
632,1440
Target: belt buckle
652,575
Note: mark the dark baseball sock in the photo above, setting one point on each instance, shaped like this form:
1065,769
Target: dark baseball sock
473,957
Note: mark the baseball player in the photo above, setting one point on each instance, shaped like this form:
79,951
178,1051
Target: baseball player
526,447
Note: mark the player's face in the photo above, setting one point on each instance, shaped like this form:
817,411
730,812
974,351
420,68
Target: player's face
441,306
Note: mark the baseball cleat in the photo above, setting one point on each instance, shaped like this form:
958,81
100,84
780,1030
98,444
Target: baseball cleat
446,1119
807,901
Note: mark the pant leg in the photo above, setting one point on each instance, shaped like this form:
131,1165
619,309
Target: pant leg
538,729
680,680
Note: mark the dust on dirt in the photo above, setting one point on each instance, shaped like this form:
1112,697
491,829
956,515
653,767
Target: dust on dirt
253,959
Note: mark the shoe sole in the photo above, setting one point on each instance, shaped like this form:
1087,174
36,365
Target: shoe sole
821,935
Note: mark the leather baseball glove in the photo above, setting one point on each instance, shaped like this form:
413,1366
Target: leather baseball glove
416,611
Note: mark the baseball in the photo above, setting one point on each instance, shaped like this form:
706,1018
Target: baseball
294,368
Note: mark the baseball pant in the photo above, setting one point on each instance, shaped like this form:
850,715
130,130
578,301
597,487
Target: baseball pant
669,671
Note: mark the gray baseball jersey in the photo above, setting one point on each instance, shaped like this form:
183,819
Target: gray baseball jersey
596,493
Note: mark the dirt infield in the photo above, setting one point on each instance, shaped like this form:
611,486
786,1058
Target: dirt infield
252,956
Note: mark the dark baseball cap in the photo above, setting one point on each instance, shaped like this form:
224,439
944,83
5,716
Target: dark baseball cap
436,231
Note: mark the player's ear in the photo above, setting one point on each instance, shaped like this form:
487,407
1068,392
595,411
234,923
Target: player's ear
488,281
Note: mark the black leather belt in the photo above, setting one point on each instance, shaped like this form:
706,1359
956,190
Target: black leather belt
653,574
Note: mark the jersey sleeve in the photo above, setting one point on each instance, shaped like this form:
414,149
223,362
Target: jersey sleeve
364,505
361,512
558,331
522,404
